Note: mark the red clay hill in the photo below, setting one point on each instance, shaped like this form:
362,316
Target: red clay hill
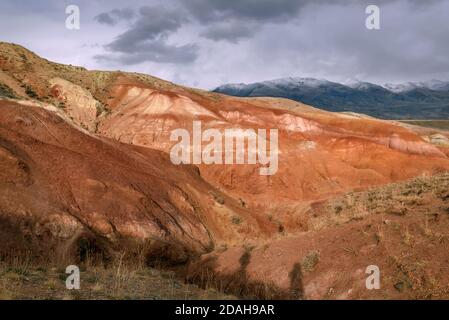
84,158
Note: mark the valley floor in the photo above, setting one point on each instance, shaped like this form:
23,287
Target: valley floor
21,281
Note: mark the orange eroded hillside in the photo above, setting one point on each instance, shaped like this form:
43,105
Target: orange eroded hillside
85,155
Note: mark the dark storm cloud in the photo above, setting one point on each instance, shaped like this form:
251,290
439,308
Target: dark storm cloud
218,41
106,18
263,10
114,16
235,20
153,23
280,11
229,32
156,51
147,39
317,38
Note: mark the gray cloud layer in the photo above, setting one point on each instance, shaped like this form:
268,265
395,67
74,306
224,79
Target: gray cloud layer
114,16
208,11
230,32
229,21
210,42
146,40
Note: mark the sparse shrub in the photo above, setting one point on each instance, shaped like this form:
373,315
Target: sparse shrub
23,57
281,227
6,91
379,235
102,109
219,199
310,260
402,211
30,92
443,195
399,286
61,105
407,237
426,229
236,220
338,209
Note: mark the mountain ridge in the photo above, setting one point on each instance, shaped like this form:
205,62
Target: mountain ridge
410,100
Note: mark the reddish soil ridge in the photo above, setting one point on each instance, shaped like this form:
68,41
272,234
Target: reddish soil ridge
84,159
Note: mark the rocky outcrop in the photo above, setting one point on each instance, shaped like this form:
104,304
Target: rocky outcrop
77,102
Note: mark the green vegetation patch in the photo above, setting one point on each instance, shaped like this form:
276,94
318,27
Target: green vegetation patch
6,91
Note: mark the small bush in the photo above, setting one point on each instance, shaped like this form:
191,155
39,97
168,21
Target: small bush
102,109
30,92
6,91
310,260
236,220
61,105
219,199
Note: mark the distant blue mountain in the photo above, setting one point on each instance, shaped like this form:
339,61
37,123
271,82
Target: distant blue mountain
412,100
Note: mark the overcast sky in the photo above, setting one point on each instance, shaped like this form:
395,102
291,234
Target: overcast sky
205,43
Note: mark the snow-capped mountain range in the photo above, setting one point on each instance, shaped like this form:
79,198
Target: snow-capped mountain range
408,86
410,100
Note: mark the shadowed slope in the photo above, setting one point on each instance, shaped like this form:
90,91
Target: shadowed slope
59,184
